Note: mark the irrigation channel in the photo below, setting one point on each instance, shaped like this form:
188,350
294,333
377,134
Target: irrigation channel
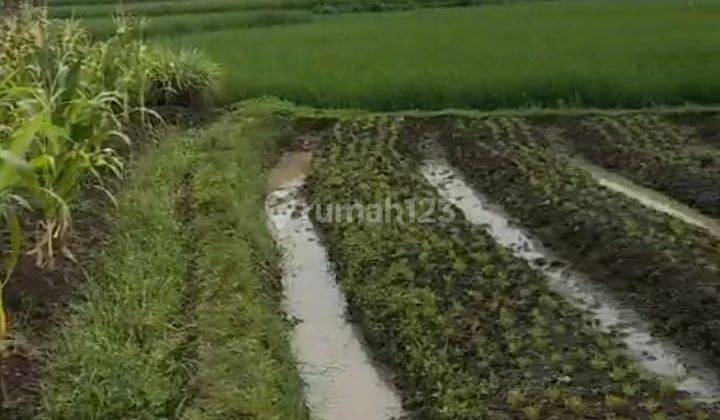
648,198
691,373
342,382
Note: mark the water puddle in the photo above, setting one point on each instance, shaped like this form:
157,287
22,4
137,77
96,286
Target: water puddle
649,198
342,382
292,167
657,356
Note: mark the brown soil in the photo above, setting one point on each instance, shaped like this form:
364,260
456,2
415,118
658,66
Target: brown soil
706,127
309,132
696,189
673,285
686,183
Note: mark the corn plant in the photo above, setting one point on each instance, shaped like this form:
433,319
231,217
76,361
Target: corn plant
64,98
15,176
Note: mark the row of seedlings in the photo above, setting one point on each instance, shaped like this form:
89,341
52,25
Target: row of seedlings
470,330
654,153
666,269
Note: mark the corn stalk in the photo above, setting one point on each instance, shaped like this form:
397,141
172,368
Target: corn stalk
64,101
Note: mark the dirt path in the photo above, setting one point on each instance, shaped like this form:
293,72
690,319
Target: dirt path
342,380
658,357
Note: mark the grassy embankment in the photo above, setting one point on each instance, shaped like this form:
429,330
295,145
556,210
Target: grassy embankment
189,23
180,315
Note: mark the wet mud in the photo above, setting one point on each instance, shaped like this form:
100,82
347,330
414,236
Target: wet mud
691,373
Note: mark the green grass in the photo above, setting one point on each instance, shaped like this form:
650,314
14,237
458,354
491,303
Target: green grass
176,7
245,367
103,8
610,53
85,2
189,23
180,317
121,354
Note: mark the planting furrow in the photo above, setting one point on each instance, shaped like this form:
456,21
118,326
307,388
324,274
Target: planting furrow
688,370
470,330
655,154
705,127
649,198
342,382
662,267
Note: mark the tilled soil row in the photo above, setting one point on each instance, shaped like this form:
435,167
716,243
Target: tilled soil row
470,330
667,270
653,153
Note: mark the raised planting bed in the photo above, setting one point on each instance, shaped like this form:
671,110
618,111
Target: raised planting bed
706,126
653,153
180,317
244,366
470,331
664,268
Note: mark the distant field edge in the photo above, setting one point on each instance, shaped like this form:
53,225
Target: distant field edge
562,54
301,110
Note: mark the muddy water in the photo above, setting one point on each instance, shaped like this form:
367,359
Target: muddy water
649,198
689,371
292,168
341,380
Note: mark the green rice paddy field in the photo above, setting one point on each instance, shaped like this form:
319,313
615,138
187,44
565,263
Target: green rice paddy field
606,53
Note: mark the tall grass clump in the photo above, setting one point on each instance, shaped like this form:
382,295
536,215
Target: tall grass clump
180,77
66,103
